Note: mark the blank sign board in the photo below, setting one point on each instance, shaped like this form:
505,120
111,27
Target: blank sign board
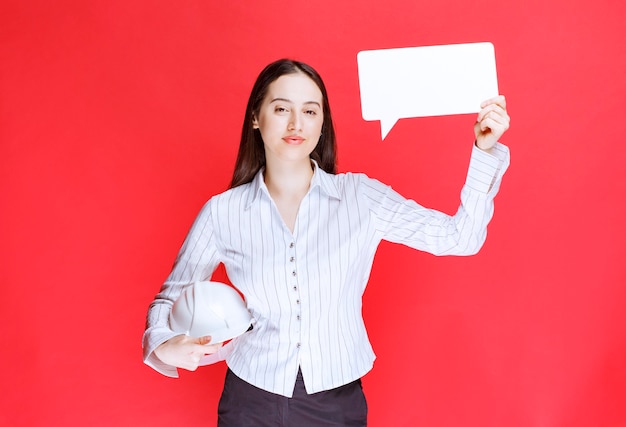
425,81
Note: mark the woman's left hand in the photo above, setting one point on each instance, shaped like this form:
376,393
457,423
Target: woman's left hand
491,123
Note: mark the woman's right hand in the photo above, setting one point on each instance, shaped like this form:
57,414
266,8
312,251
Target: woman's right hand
185,352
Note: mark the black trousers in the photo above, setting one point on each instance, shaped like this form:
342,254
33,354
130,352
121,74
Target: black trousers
244,405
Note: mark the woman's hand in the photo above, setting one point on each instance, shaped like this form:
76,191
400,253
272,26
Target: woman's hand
185,352
491,123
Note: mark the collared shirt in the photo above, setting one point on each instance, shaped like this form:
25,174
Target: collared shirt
304,289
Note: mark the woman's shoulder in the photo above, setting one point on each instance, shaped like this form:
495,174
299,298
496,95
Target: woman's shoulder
232,193
357,178
355,182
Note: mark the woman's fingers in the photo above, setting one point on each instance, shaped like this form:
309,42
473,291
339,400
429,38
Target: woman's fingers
185,352
496,107
203,340
499,100
492,121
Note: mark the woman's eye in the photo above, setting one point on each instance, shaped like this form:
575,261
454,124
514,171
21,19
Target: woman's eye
280,109
311,112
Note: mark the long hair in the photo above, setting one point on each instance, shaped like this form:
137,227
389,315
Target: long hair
251,156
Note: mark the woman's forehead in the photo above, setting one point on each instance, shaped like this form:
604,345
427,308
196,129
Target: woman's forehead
298,88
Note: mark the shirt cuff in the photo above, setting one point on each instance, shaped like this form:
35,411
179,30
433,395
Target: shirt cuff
150,343
486,169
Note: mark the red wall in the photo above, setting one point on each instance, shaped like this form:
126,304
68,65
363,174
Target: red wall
118,119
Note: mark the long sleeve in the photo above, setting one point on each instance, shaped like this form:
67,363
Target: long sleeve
404,221
196,260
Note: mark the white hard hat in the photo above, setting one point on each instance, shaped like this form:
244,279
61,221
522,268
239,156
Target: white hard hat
210,308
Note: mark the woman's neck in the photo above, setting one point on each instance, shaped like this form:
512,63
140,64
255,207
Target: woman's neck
287,184
290,180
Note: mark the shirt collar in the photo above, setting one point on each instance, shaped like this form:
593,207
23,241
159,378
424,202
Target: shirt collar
320,179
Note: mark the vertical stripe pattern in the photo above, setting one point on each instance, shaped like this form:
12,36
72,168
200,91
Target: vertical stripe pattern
304,289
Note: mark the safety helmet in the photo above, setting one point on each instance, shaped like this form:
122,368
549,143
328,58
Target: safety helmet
210,308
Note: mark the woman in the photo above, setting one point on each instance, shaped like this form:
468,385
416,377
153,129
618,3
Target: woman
298,241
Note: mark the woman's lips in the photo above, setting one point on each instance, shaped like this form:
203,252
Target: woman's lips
294,140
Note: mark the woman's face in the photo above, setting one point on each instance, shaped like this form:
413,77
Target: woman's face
290,118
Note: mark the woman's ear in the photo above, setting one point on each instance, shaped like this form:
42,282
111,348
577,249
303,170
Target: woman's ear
255,122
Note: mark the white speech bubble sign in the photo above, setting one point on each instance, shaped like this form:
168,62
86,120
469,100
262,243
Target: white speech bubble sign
425,81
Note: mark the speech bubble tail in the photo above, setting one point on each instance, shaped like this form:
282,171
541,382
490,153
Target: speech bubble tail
385,127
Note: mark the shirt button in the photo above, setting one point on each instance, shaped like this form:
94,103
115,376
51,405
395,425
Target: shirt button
292,259
291,245
298,345
293,273
298,317
297,301
295,288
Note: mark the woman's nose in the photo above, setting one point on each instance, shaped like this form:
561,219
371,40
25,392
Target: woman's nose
295,122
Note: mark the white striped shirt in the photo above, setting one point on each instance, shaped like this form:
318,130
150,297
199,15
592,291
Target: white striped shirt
304,289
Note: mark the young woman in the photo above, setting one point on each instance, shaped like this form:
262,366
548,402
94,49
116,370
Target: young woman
298,240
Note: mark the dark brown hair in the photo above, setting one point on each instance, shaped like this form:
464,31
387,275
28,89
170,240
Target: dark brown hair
251,156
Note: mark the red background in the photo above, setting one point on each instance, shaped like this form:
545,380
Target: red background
119,119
